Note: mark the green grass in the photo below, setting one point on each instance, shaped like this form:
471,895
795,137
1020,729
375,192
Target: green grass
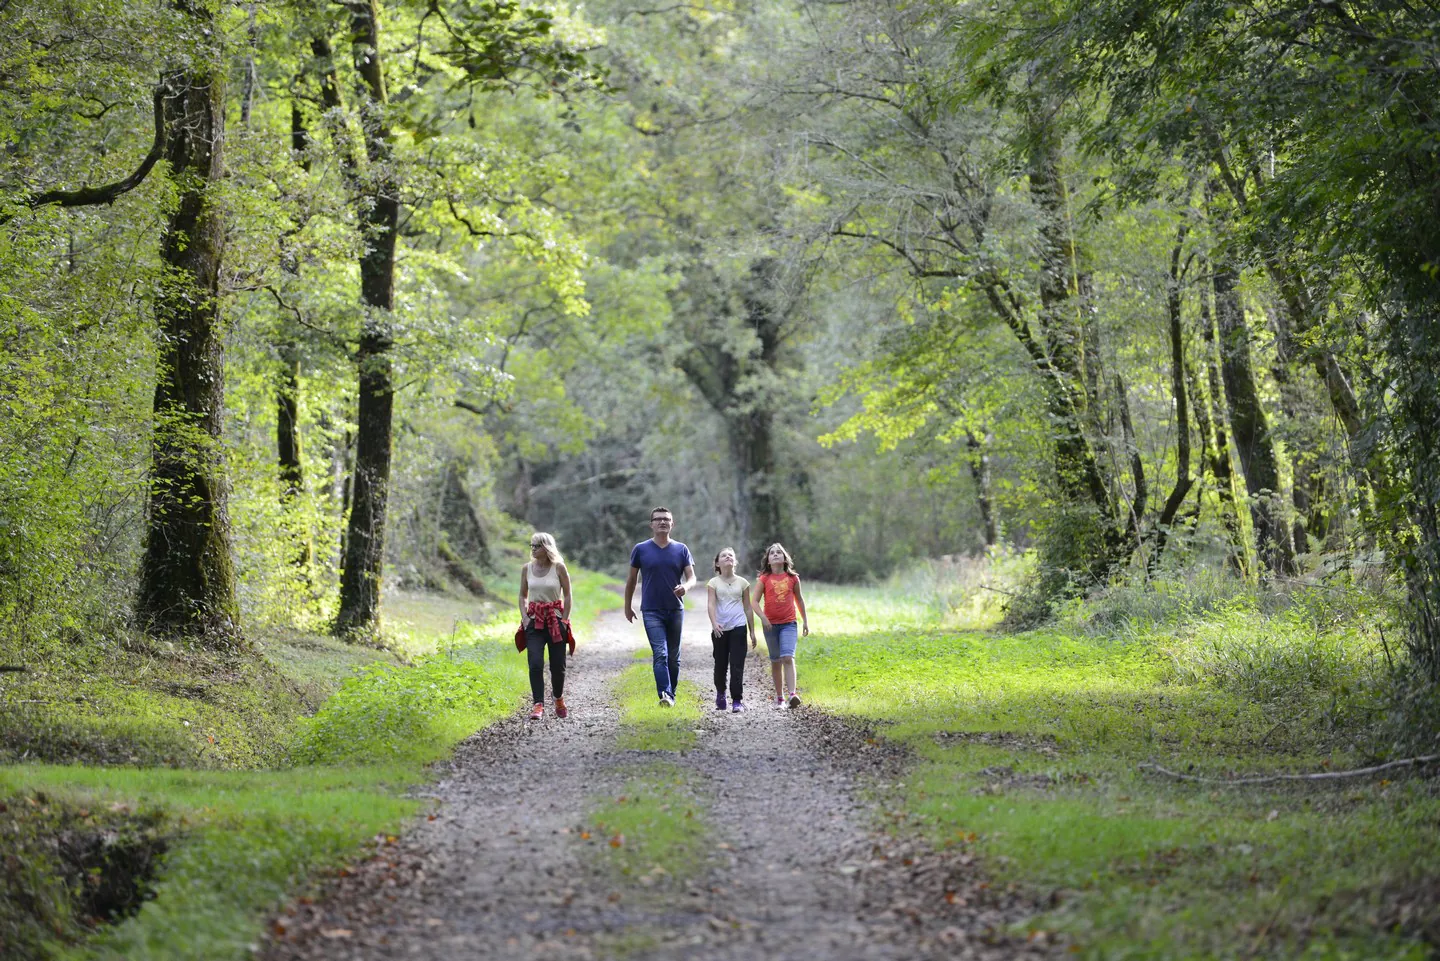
245,839
414,714
653,832
846,610
1028,747
644,724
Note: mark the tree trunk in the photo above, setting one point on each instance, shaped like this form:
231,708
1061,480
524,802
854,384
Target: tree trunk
1210,411
1292,407
287,446
378,212
187,576
1075,462
1183,479
730,382
752,420
984,497
1137,465
459,522
287,386
1253,440
752,446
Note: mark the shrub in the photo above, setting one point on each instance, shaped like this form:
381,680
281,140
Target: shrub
1072,557
416,713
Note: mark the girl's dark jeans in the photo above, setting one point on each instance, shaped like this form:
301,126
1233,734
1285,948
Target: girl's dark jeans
730,653
536,641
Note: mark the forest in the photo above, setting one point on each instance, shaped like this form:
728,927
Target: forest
1059,318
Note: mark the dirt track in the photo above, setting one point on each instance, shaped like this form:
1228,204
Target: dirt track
795,869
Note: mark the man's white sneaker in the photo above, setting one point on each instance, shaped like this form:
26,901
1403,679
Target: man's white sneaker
666,700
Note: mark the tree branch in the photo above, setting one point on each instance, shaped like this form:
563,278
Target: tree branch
91,196
1320,776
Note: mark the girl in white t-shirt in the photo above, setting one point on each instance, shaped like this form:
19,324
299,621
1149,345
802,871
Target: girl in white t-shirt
730,616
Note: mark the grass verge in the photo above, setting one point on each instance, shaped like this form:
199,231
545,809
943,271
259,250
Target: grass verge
1029,745
644,724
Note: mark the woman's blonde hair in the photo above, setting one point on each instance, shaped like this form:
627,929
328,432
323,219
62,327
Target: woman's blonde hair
547,541
765,559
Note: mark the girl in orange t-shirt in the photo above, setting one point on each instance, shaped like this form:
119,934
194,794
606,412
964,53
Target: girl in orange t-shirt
777,594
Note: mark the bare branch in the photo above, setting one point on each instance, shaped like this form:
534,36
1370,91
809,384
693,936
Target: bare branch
1319,776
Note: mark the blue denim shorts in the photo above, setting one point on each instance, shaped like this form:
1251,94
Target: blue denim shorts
781,639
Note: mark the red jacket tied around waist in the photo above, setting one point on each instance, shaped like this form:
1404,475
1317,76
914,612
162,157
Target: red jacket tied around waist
545,616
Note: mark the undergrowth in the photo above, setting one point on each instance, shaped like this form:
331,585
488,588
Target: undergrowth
415,713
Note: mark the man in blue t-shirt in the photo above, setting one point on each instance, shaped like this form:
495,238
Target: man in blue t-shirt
666,572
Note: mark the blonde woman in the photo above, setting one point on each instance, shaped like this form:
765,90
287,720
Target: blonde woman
544,616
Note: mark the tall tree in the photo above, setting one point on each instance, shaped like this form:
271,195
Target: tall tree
1250,425
187,576
378,212
734,360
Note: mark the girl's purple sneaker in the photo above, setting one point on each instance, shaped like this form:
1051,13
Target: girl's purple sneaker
737,707
720,701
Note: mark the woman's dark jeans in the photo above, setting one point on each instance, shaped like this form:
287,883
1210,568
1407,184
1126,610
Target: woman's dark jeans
730,654
535,643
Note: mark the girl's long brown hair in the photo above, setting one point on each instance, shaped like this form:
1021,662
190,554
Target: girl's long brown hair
765,560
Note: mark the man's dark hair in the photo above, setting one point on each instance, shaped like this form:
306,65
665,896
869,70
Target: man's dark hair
659,510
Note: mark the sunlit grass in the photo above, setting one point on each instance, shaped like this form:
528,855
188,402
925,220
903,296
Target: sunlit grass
644,724
1030,744
836,609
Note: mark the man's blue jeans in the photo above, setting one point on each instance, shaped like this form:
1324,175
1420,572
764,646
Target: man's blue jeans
663,630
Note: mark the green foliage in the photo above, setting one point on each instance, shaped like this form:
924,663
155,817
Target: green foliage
413,714
1073,555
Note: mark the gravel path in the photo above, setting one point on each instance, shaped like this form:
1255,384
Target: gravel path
795,870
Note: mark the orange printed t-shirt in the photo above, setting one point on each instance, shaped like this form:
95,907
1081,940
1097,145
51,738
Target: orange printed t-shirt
778,593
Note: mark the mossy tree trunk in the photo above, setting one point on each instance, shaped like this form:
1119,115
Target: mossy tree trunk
378,211
738,369
187,576
1251,428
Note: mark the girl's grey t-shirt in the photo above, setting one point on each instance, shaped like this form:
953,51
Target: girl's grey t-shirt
729,601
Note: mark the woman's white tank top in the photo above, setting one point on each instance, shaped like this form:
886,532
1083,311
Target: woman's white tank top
543,588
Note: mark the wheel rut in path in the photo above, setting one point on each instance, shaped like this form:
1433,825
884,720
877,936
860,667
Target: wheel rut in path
793,867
